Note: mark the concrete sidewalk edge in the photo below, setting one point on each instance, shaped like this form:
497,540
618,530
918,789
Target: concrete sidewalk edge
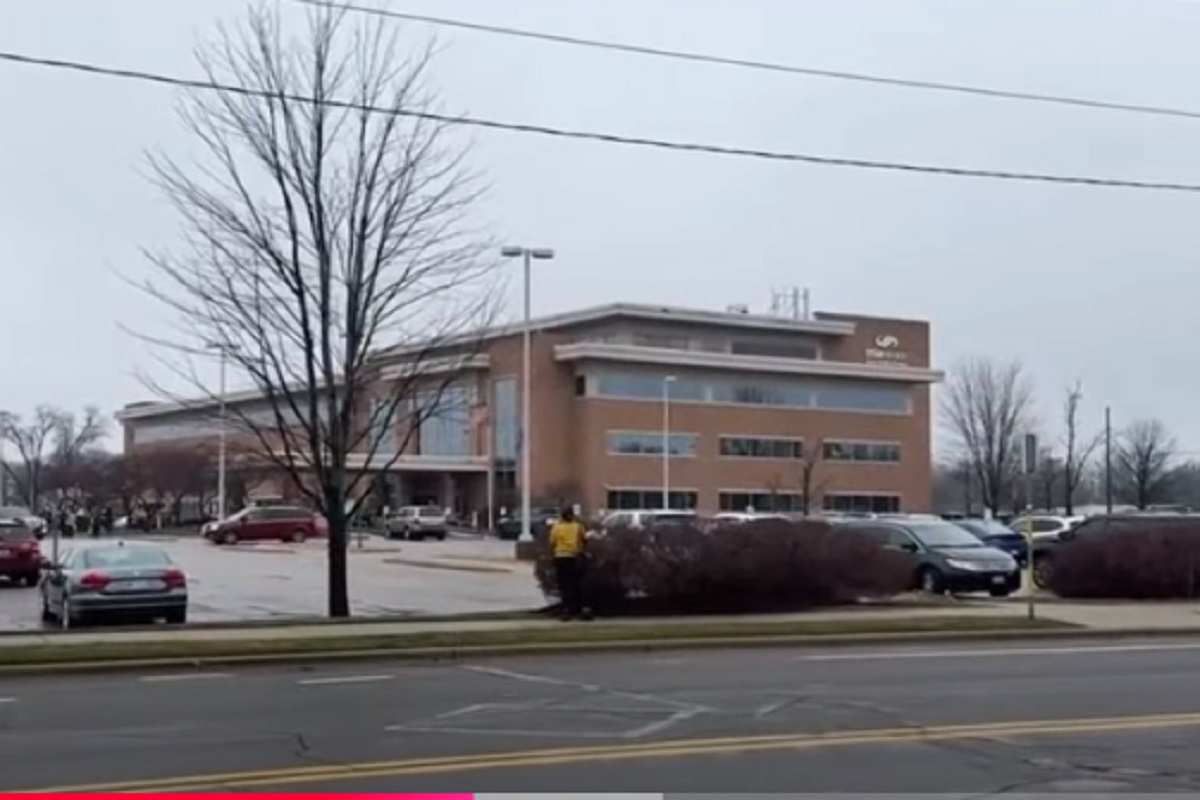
459,652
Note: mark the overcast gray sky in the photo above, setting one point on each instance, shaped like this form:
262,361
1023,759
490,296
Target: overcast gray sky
1096,284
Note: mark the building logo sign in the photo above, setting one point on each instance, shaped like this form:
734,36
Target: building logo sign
886,350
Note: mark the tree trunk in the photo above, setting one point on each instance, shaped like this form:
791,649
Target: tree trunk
339,598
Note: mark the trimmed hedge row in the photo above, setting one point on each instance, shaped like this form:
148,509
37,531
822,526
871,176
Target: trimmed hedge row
767,565
1131,558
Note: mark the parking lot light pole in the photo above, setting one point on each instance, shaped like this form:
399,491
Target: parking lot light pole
666,442
223,349
526,253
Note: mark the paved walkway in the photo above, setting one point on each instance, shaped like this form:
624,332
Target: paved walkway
1098,616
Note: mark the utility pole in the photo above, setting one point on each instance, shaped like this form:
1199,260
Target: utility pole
1030,465
1108,459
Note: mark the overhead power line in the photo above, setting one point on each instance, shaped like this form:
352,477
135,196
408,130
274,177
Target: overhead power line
768,66
597,136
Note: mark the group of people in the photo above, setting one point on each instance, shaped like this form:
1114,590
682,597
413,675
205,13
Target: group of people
69,520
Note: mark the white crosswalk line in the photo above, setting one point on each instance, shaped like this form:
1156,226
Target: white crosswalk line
345,679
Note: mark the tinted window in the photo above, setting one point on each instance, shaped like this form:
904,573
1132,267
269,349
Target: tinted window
125,557
1045,525
633,443
430,512
942,534
14,533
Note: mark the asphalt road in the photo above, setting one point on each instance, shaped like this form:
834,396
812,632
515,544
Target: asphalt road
1027,717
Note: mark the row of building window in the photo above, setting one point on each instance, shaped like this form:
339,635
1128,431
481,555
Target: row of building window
650,443
648,499
846,395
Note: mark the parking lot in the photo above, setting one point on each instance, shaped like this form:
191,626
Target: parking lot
271,580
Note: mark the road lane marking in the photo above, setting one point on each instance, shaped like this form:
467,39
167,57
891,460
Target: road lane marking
676,748
345,679
185,676
530,678
994,652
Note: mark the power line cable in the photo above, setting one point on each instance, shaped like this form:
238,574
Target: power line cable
768,66
610,138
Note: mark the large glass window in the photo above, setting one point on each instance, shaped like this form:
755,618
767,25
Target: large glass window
756,390
879,452
648,443
778,349
761,501
504,418
761,447
862,503
648,499
382,436
446,422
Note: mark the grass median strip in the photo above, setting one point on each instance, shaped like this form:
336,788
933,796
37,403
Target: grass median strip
430,643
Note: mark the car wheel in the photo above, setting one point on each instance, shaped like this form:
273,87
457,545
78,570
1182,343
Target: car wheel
177,616
30,579
230,538
441,537
1043,570
931,582
298,536
999,591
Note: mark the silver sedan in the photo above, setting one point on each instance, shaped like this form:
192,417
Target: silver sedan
113,579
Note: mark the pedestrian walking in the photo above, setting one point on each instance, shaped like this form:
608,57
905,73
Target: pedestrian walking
567,542
108,519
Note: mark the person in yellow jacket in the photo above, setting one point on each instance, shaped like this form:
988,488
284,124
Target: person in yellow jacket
567,542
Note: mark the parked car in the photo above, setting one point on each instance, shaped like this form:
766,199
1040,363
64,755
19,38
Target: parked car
646,519
509,526
282,523
1045,526
111,579
417,523
25,516
20,556
997,535
743,517
945,557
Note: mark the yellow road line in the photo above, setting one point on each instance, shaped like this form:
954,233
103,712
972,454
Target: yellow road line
660,749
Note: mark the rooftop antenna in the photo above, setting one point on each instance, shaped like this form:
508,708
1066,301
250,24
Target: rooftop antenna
791,302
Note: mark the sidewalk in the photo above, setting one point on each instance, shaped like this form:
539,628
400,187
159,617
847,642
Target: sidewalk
1107,616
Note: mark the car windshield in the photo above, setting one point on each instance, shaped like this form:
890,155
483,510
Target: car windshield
12,512
985,527
241,514
942,534
430,512
14,533
117,557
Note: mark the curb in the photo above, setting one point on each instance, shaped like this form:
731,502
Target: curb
459,652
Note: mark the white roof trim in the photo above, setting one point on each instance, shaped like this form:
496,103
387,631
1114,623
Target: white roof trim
174,407
435,366
658,313
725,361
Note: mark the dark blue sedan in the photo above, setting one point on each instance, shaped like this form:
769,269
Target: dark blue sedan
993,533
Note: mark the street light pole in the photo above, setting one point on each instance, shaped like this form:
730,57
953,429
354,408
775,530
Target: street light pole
527,254
666,442
223,349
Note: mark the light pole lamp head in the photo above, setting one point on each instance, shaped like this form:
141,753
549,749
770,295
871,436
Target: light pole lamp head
512,251
542,253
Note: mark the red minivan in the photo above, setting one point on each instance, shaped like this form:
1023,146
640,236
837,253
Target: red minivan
20,557
281,523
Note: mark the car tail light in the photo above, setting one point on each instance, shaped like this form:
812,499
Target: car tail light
94,580
174,578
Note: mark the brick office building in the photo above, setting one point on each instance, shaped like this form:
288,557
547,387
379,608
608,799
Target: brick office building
752,400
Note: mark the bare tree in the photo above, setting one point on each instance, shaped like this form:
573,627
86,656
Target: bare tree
986,407
73,437
325,221
1077,451
1143,462
31,440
